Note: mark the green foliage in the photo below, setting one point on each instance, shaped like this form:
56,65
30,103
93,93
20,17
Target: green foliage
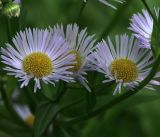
62,111
46,112
155,41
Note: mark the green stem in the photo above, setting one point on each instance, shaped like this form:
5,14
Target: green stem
114,21
118,99
81,10
71,104
31,98
9,29
19,23
62,89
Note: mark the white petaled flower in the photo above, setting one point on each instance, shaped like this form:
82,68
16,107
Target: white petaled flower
123,62
106,2
39,55
142,26
80,44
25,113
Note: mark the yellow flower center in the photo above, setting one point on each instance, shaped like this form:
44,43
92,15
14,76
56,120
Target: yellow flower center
77,65
37,64
30,120
124,69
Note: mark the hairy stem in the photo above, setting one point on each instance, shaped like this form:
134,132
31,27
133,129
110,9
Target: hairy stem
81,10
118,99
9,29
114,21
62,89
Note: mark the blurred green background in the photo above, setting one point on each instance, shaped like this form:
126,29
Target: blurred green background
138,116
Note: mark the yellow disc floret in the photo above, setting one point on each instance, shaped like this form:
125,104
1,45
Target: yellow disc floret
30,120
124,69
77,60
37,64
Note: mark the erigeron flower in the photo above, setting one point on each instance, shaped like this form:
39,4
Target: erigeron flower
80,44
123,62
108,3
25,113
38,55
142,26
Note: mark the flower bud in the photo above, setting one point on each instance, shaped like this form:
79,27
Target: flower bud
12,9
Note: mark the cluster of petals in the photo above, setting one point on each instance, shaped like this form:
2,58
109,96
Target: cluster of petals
29,45
67,53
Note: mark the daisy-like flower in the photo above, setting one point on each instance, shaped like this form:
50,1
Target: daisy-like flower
142,25
38,55
123,62
80,45
25,113
106,2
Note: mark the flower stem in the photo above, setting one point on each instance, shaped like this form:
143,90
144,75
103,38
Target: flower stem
61,91
114,21
81,10
9,29
116,100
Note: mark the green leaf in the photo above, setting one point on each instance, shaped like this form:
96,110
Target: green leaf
60,131
90,100
2,134
140,99
11,85
135,100
45,114
49,90
12,128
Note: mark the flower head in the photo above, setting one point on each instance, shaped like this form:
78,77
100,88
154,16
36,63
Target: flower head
125,62
80,44
38,55
25,113
142,26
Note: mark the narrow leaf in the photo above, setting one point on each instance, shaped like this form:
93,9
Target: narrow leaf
45,114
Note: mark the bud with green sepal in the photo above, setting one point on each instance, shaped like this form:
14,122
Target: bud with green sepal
12,9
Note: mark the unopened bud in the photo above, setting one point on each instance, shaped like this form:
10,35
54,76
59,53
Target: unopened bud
12,9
